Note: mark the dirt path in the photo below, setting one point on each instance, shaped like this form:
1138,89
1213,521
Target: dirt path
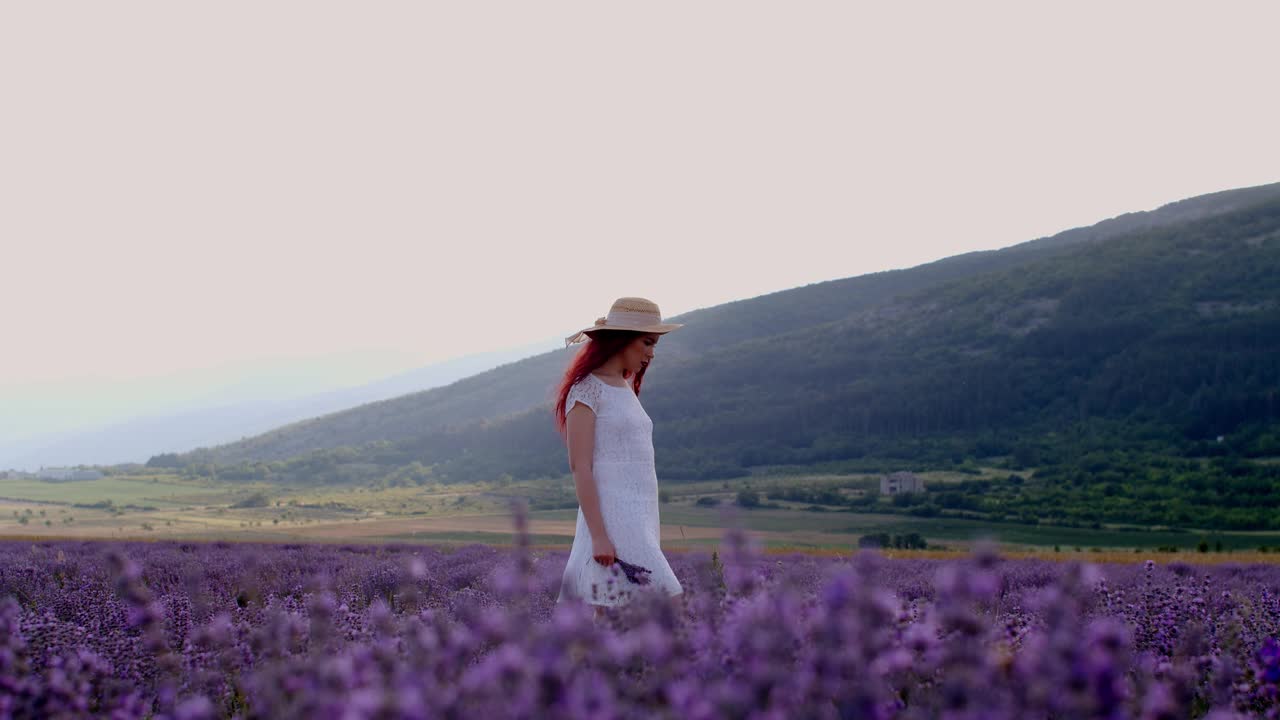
189,525
475,523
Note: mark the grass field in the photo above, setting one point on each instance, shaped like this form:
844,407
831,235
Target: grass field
154,491
160,506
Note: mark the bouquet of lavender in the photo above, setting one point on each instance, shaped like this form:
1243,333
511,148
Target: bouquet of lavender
635,573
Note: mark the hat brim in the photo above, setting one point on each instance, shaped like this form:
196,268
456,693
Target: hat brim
659,328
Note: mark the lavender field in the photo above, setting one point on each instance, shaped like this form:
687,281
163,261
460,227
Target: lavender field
172,630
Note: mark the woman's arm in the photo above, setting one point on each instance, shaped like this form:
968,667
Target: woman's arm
580,427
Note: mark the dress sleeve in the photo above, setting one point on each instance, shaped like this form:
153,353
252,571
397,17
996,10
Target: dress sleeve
584,391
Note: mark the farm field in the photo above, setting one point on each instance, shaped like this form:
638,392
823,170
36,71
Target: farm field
155,491
149,508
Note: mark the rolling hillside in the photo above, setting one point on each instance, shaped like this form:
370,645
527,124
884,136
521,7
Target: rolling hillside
1125,373
835,343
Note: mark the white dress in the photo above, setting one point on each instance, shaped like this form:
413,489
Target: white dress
627,483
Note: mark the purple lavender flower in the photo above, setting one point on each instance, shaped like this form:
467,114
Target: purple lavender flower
635,573
431,631
1268,661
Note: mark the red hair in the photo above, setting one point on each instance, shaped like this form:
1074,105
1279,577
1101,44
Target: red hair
604,344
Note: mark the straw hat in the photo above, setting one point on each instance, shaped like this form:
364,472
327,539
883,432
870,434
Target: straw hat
628,313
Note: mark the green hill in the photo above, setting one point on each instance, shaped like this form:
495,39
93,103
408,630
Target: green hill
1094,355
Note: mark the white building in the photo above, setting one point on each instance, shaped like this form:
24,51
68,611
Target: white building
900,482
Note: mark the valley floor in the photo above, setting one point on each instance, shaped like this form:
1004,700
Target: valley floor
153,508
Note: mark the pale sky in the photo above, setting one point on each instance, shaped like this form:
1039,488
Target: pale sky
192,186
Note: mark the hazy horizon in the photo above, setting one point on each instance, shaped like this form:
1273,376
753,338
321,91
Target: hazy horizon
201,208
246,388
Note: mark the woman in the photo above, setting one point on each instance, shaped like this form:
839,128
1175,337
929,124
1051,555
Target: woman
610,442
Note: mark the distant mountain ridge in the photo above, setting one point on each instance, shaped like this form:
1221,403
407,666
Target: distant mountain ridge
736,346
142,437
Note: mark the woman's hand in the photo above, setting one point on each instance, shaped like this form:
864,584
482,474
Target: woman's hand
603,551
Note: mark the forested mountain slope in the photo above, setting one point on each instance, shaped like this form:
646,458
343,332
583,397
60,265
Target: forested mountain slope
829,370
1168,336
